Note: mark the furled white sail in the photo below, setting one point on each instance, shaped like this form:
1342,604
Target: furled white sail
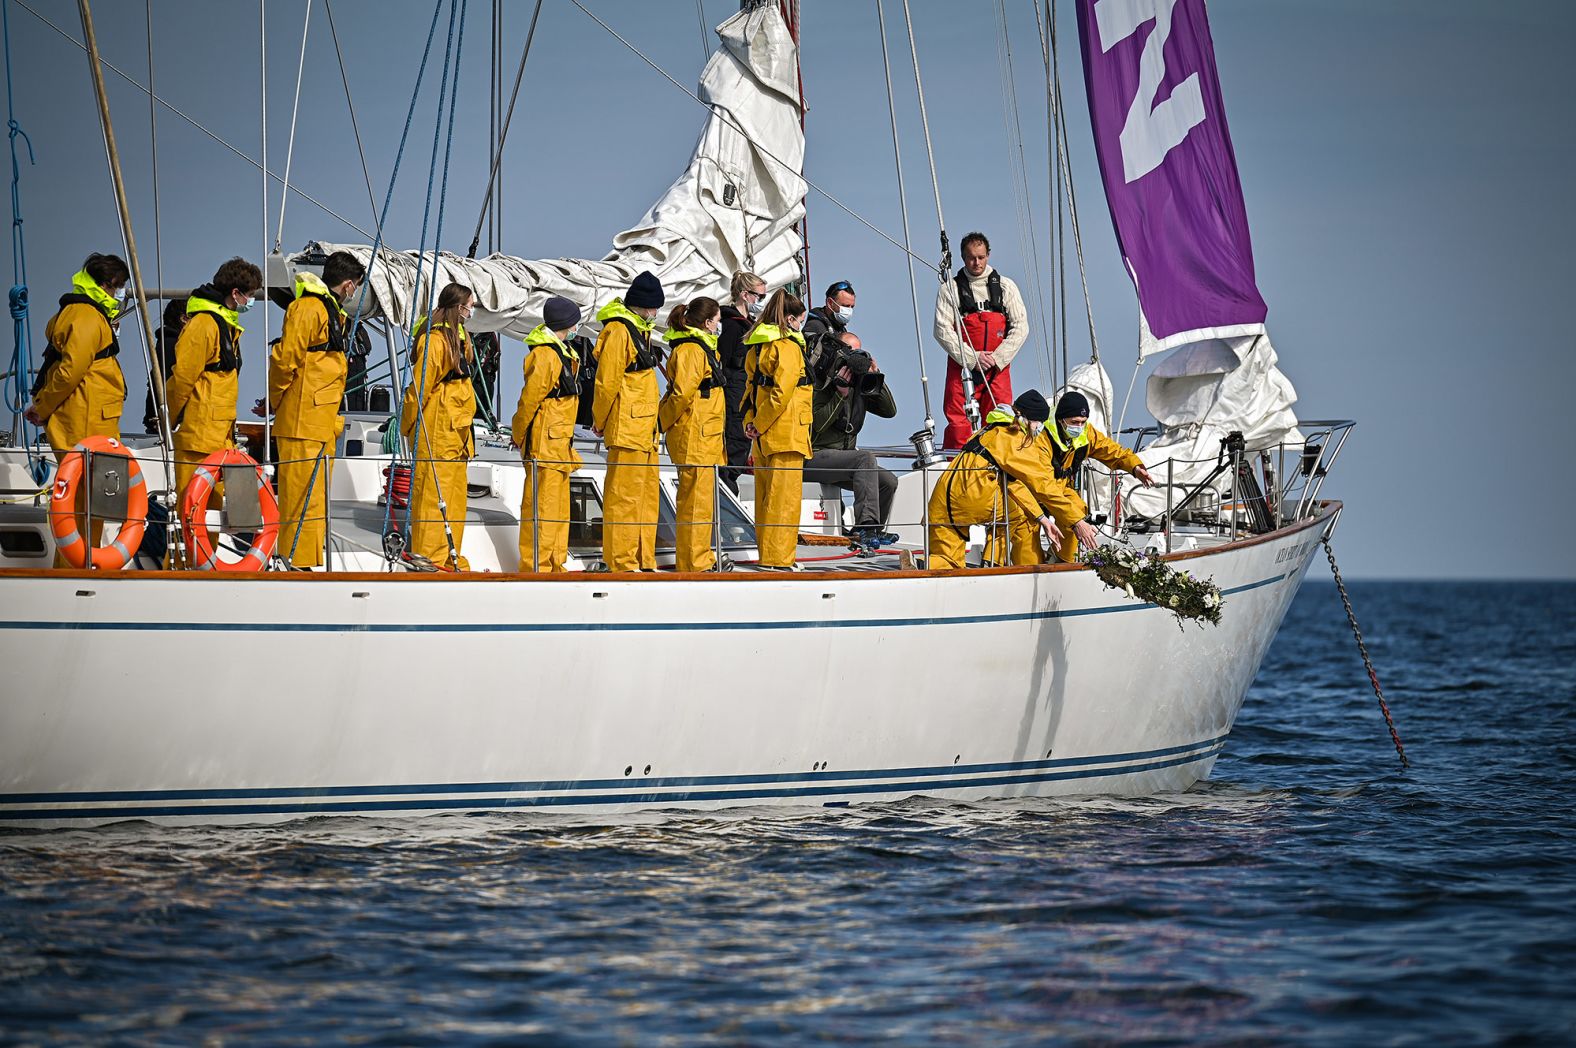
734,207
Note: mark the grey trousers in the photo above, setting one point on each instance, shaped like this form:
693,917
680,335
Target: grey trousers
855,471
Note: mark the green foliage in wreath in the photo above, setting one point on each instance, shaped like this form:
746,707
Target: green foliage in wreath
1144,576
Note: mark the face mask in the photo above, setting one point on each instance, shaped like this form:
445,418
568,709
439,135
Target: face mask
845,314
246,304
570,333
754,308
1072,431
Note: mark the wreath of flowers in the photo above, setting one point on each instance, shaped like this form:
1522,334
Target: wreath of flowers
1144,576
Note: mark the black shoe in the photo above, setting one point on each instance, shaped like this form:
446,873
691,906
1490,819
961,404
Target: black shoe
871,535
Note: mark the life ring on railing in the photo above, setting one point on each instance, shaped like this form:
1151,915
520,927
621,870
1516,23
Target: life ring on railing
194,513
72,544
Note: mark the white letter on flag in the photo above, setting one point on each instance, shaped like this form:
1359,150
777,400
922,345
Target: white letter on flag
1150,131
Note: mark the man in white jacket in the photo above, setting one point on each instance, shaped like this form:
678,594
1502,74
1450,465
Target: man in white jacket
981,323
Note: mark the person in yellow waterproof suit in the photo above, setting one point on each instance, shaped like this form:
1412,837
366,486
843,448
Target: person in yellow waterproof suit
970,490
778,418
543,429
624,415
204,380
306,381
1068,441
436,419
692,416
80,391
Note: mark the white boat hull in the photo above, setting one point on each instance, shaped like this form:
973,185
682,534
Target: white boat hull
205,698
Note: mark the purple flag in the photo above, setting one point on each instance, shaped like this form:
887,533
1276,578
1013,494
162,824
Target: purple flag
1169,171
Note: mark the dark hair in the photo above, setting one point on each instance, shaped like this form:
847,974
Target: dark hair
975,238
782,305
340,267
695,314
839,287
174,313
238,275
106,269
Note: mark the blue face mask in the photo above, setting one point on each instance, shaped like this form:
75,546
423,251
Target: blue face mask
1072,432
246,304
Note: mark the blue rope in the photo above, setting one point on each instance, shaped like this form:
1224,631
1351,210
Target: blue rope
456,43
16,390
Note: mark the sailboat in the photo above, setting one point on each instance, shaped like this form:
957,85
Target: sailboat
369,689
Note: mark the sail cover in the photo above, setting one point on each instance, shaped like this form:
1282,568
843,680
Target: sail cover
734,207
1170,175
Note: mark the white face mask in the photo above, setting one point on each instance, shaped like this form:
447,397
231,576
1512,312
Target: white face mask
845,313
754,308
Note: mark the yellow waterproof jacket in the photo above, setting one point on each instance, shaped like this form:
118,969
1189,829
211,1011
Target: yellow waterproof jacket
83,394
1065,457
205,381
693,411
970,489
543,427
782,399
306,381
624,405
447,400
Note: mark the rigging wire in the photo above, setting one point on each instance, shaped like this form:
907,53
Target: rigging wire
355,127
728,118
17,396
902,206
297,190
492,173
1072,196
1027,241
268,417
295,108
153,141
705,43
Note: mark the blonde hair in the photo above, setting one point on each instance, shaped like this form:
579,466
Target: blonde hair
445,320
782,305
742,282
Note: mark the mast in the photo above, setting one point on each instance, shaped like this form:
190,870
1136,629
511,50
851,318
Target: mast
155,373
790,12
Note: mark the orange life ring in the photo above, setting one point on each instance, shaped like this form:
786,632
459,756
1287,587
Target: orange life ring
71,543
194,513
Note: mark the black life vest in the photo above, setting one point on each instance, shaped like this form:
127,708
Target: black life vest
806,377
229,358
713,379
1079,455
336,327
646,357
568,381
975,447
52,355
995,302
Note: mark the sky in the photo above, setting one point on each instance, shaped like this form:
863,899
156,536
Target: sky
1405,165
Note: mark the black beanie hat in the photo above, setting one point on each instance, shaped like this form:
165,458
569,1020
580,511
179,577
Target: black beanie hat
560,314
645,292
1032,406
1072,405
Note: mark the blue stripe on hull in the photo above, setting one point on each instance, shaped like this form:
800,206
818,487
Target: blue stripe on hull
592,627
749,789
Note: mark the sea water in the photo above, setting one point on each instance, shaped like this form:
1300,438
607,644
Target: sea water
1311,892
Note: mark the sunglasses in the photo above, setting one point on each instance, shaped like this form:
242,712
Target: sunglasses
839,287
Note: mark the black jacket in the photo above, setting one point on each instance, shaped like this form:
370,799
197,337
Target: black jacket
838,420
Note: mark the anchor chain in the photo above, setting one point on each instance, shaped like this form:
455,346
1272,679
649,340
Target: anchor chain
1373,678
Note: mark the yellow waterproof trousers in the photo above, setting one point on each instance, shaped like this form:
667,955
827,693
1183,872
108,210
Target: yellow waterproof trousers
779,485
697,490
629,511
1022,537
432,480
948,545
550,524
305,467
186,463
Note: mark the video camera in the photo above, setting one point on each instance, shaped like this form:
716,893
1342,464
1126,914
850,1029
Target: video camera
837,355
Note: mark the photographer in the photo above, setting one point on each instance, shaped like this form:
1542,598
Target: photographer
847,385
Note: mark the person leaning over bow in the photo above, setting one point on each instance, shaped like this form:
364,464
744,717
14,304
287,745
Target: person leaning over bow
748,292
1071,440
306,382
436,418
1000,460
80,391
204,377
778,420
624,415
692,416
543,429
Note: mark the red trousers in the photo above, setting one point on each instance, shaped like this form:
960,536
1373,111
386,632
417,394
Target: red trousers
995,391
